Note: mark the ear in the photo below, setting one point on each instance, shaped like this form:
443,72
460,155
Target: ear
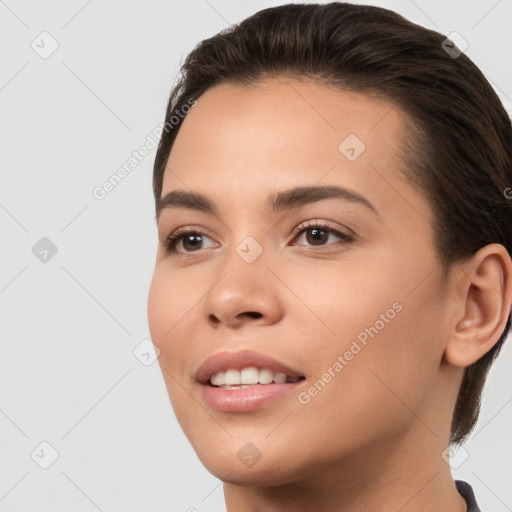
484,295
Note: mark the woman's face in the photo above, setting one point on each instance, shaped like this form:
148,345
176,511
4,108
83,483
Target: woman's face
355,308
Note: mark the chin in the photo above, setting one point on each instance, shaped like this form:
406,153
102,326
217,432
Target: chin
241,462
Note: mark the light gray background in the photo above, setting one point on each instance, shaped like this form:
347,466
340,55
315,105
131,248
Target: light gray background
69,376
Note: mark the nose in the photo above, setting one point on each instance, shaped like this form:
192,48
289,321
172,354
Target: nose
246,294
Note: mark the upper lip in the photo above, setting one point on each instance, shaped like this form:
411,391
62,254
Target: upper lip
222,361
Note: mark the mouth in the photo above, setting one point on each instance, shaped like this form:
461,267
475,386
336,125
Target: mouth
250,376
245,380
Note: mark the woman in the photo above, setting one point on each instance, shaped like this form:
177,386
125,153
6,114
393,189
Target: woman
333,278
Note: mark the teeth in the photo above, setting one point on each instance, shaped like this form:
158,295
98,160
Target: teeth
266,376
234,379
280,378
249,375
217,379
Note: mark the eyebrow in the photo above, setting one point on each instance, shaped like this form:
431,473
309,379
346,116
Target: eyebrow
285,200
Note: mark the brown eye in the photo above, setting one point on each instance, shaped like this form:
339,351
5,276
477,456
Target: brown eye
186,240
317,235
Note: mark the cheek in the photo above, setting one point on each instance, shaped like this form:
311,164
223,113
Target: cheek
353,301
170,316
375,337
154,306
392,357
359,388
171,301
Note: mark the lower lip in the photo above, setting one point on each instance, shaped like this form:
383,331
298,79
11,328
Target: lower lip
245,399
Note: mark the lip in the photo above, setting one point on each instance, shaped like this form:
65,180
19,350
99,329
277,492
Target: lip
222,361
243,399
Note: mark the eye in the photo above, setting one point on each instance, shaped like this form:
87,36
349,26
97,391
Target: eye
185,239
316,233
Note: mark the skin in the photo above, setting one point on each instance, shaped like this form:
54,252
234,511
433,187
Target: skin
372,438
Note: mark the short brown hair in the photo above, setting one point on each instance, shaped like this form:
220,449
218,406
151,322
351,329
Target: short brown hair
459,148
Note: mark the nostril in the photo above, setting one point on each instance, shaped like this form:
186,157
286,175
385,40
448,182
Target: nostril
254,314
213,319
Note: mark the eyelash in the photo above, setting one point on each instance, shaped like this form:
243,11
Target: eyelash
173,239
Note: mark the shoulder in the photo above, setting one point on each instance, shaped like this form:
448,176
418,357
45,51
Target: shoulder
466,491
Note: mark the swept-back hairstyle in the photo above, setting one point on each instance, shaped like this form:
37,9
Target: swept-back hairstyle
457,147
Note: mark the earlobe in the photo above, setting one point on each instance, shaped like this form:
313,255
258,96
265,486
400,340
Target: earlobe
486,293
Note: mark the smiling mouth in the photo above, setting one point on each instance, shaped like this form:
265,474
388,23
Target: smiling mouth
249,377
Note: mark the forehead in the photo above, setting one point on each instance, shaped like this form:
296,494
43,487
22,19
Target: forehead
284,118
282,132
